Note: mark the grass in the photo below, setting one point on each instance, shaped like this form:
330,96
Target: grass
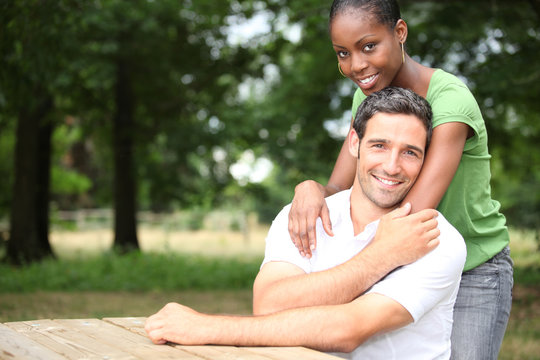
209,270
522,337
98,304
135,271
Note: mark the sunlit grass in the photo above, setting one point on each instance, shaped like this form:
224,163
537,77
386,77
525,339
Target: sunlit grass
525,247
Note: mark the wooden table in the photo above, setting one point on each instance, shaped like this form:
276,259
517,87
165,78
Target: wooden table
119,338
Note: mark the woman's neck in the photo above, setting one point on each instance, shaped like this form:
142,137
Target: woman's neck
414,76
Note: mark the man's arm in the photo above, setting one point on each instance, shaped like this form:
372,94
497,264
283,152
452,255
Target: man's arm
281,285
327,328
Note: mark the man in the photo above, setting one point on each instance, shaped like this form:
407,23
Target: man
309,302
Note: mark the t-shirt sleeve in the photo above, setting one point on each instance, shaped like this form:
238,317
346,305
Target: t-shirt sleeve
279,246
455,103
420,286
452,101
357,100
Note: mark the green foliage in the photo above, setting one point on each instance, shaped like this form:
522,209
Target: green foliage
132,272
200,101
495,54
69,182
528,276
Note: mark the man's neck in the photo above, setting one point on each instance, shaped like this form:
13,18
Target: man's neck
363,210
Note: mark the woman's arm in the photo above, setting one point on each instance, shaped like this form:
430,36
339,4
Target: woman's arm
441,163
342,176
308,202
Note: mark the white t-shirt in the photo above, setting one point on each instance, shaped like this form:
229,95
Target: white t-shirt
427,288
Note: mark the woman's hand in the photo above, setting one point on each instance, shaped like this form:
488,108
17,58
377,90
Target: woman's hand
308,204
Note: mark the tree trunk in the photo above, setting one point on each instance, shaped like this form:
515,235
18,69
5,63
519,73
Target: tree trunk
29,223
125,225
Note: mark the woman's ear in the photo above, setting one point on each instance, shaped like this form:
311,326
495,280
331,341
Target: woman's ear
354,142
401,31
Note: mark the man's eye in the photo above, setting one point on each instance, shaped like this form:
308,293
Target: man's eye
411,153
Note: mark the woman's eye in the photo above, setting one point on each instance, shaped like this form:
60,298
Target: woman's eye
342,54
369,47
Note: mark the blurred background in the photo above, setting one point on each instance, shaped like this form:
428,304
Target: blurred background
146,145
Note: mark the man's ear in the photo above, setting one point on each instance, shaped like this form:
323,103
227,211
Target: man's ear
354,143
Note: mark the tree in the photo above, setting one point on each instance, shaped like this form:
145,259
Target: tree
28,77
167,61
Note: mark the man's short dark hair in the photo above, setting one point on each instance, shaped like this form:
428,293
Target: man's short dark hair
393,100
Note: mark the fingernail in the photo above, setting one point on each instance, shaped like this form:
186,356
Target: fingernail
312,247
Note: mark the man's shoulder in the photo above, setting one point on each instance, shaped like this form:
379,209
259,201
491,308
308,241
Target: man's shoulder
340,199
448,231
451,246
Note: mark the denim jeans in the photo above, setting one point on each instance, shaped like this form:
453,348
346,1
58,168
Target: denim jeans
482,309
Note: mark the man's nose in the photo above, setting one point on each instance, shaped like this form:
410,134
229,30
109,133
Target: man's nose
391,165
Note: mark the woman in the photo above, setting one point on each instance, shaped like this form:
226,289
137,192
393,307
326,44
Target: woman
369,38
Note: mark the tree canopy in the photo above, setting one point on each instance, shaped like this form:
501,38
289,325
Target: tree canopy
166,98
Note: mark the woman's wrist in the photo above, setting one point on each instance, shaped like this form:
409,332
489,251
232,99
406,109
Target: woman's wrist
331,189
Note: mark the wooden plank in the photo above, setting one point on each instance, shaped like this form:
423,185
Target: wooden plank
67,342
133,324
125,340
14,345
136,325
291,353
224,352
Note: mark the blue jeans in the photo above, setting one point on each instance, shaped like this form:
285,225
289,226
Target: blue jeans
482,309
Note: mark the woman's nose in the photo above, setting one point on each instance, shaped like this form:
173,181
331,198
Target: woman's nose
358,64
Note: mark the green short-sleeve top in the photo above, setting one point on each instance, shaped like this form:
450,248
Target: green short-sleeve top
467,203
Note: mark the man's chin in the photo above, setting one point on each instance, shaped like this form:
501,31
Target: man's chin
388,203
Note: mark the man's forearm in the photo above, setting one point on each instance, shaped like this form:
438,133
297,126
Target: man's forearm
338,285
321,328
326,328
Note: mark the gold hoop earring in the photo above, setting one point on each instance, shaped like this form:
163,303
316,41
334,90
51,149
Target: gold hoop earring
340,71
402,54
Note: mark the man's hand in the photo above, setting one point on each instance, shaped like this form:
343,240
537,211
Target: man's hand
308,204
402,239
176,323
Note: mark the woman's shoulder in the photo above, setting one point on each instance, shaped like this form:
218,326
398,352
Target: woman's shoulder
450,96
443,83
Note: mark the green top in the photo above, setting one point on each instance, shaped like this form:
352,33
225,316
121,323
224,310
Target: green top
467,203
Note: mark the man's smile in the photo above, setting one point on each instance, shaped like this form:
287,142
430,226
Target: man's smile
387,181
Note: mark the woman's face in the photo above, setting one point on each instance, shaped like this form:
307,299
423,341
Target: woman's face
368,52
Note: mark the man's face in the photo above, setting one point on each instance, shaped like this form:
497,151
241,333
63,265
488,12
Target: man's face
390,157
